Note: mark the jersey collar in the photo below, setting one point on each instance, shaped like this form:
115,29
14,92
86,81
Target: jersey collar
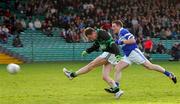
120,30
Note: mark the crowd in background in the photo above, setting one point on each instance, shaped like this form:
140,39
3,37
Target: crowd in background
32,8
144,18
154,18
13,25
148,47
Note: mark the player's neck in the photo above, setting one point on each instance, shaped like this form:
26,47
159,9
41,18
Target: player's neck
120,28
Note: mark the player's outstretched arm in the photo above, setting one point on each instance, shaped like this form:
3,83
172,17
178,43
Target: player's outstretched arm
129,41
94,47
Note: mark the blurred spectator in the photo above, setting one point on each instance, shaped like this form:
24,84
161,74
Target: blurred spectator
160,48
83,37
23,23
134,23
68,36
31,25
106,26
175,52
5,30
3,36
146,30
44,25
16,4
148,45
76,36
7,13
47,29
17,42
53,11
168,33
6,20
162,34
139,42
1,13
29,12
63,33
174,33
18,26
37,24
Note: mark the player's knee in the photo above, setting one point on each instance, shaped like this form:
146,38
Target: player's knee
105,78
117,68
150,67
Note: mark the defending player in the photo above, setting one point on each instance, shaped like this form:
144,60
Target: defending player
132,54
104,41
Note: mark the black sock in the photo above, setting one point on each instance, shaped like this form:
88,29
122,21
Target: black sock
73,74
167,73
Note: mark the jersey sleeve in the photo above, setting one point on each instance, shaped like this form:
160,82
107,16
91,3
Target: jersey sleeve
129,36
126,35
94,47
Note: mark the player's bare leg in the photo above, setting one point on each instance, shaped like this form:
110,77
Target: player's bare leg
93,64
160,69
148,65
118,70
106,71
117,76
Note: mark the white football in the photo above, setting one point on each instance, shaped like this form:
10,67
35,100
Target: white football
13,68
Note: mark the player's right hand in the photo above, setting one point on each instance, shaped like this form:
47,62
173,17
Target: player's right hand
118,58
84,53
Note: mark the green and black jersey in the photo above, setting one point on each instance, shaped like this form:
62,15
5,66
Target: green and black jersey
104,42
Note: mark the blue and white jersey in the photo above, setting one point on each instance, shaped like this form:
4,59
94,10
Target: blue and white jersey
124,34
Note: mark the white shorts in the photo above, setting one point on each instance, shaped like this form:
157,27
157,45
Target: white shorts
136,56
109,57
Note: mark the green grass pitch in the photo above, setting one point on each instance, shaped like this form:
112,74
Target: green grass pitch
44,83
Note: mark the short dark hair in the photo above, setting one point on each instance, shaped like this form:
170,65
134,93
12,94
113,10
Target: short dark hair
118,22
89,31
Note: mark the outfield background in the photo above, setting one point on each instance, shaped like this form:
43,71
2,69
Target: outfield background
44,83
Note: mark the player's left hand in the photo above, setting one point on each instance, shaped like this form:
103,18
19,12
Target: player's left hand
84,53
119,42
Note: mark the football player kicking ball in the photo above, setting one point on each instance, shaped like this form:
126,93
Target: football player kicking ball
132,54
104,41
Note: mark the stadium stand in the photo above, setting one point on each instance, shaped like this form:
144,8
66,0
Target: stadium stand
44,48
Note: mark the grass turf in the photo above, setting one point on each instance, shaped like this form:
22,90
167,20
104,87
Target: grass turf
44,83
